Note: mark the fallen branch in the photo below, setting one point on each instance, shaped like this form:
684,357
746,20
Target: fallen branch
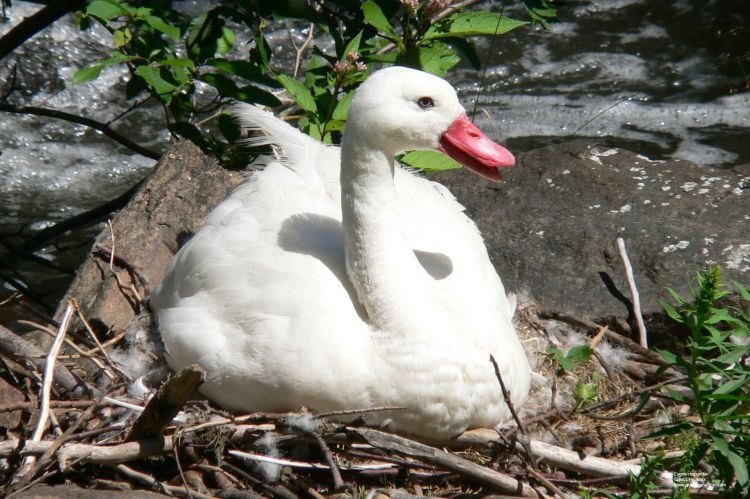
166,403
88,453
480,474
565,458
16,347
44,410
633,291
82,120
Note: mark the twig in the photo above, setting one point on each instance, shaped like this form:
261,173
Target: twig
98,344
619,339
88,453
15,406
301,49
347,412
271,490
14,346
81,120
179,468
37,467
633,291
607,369
594,342
480,474
543,480
153,482
44,410
506,395
72,345
338,482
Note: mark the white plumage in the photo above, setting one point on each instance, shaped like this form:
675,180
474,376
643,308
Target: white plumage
288,301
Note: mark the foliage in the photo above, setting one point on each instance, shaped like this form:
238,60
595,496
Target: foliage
575,356
172,57
718,371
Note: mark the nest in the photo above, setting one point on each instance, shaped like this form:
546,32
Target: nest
72,426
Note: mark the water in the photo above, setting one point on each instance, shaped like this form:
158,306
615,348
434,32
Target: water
657,74
645,74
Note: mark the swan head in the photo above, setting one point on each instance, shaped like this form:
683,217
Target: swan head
399,109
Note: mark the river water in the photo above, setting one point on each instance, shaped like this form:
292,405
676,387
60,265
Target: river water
649,75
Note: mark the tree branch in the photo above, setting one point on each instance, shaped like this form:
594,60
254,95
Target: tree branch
81,120
32,25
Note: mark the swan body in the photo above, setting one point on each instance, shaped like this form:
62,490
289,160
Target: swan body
333,279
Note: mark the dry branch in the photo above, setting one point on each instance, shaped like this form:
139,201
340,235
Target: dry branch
479,474
166,403
633,291
16,347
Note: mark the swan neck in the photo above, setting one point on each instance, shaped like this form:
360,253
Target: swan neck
389,281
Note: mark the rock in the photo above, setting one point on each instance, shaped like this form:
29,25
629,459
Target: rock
170,205
551,226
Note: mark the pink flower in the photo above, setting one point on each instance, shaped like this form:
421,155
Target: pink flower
342,67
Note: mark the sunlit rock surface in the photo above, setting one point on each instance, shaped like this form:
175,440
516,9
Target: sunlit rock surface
551,225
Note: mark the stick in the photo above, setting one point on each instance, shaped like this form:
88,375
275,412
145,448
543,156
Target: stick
565,458
14,346
506,395
633,291
87,453
153,482
480,474
44,410
618,339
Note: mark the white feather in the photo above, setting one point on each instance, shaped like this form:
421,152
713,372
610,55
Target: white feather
263,300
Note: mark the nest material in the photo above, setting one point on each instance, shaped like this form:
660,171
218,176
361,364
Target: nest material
96,440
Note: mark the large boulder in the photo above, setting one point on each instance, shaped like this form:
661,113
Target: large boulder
551,226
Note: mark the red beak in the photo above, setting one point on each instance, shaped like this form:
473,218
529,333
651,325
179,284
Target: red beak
466,143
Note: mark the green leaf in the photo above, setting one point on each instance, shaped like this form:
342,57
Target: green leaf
738,464
540,10
226,42
731,386
86,74
160,24
156,81
429,160
437,58
473,23
106,11
580,353
352,46
672,312
341,111
299,93
374,17
121,37
246,70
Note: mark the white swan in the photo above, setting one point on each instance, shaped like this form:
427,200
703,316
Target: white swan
366,289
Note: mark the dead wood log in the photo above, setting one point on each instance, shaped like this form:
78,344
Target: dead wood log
130,256
166,403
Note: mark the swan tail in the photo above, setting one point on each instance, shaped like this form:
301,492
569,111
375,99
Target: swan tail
292,146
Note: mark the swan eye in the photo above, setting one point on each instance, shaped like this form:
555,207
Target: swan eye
426,102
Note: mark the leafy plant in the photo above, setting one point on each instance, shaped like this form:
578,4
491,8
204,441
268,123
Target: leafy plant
172,56
718,371
575,356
